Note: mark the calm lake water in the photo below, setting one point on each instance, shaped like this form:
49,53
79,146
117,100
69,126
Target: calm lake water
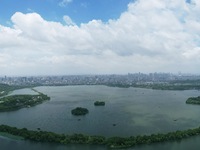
134,111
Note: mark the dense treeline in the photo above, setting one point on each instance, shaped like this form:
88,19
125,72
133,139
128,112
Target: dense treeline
44,136
186,81
169,86
175,87
113,142
5,89
15,102
193,100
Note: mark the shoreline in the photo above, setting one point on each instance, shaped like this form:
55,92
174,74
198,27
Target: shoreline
10,136
112,142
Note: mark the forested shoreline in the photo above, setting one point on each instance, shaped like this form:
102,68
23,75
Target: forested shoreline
112,142
15,102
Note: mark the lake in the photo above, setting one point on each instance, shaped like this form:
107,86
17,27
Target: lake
134,111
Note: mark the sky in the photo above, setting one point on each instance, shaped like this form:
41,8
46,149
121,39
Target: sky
64,37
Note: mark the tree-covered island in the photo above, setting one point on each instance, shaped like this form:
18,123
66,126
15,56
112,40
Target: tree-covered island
15,102
193,100
99,103
78,111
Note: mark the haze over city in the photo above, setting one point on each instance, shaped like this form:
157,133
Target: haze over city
53,37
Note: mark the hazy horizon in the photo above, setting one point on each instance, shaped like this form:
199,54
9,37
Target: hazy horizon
100,74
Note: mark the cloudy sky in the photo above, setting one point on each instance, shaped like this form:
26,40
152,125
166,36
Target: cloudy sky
53,37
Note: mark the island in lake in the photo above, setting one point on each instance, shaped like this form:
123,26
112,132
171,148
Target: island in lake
15,102
193,100
99,103
78,111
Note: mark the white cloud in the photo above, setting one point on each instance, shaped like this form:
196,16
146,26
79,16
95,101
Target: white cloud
68,20
159,35
64,3
192,54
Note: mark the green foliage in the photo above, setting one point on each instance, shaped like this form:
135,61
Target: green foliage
113,142
175,85
79,111
5,89
79,138
193,100
99,103
11,136
100,140
15,102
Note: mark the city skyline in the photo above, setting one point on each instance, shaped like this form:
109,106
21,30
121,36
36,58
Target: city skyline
61,37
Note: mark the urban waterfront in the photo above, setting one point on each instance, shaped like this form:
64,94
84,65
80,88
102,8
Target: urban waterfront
135,111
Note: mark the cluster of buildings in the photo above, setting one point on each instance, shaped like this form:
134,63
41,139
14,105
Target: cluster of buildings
114,79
